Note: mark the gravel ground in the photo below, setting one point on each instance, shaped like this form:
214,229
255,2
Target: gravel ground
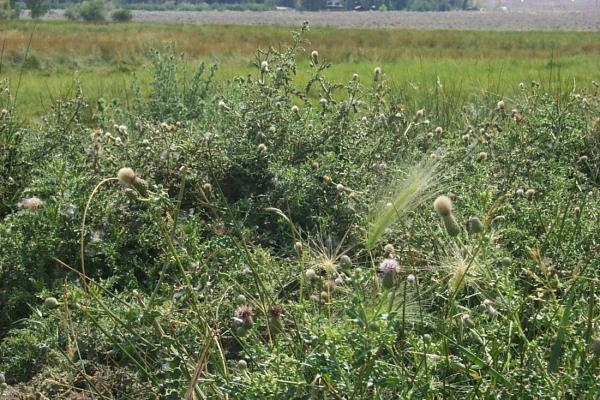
505,15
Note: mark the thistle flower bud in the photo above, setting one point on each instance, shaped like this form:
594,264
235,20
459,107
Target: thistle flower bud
330,286
488,304
295,109
443,206
377,73
126,176
323,102
314,56
264,66
506,262
451,225
389,248
501,105
339,187
243,364
475,225
530,194
466,319
30,204
345,261
51,303
310,274
243,316
389,268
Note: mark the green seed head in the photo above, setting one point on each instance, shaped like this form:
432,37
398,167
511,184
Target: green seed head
475,225
451,225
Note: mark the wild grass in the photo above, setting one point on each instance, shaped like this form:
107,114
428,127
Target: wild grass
105,56
202,237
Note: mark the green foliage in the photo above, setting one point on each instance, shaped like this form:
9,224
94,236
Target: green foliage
88,10
37,7
121,15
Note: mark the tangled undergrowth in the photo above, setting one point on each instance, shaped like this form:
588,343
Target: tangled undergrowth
256,240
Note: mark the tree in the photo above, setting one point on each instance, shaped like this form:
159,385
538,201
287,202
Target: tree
37,7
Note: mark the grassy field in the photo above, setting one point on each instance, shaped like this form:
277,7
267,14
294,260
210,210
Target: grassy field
104,57
425,230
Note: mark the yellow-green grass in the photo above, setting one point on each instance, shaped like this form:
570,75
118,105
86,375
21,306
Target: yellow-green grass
104,57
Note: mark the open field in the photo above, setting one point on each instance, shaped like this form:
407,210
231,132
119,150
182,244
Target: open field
529,15
105,57
374,215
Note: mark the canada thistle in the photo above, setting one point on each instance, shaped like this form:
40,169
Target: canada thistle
443,206
31,204
475,225
310,274
345,261
388,268
377,74
264,66
314,56
243,318
501,105
530,194
275,323
51,303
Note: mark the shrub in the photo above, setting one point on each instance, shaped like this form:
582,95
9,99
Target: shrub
121,15
92,10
